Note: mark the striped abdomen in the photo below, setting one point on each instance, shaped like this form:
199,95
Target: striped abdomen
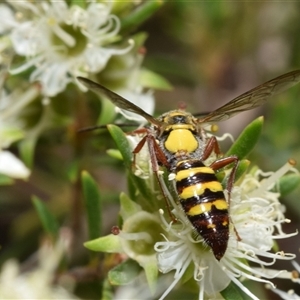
202,198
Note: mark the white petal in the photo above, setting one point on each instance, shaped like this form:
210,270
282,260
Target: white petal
144,101
53,77
12,166
96,58
7,20
25,39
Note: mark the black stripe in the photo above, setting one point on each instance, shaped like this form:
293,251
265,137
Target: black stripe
194,179
186,165
200,222
207,196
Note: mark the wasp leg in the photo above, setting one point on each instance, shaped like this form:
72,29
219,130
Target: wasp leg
156,156
212,145
221,163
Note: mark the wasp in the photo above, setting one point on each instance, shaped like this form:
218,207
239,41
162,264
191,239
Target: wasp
177,141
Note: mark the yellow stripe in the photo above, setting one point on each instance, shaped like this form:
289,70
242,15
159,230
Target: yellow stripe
220,204
201,208
186,173
198,189
211,226
182,126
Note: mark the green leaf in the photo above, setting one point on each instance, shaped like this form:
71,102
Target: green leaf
234,292
92,203
140,14
124,273
11,134
48,221
141,185
188,274
114,154
122,144
108,112
151,272
288,183
128,207
109,243
247,139
152,80
27,147
107,291
126,151
81,4
6,180
242,168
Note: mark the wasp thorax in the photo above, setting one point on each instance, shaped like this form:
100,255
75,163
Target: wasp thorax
177,117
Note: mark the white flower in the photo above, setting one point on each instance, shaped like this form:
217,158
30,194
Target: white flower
11,166
61,41
36,284
294,276
257,217
11,130
144,100
136,239
142,164
132,88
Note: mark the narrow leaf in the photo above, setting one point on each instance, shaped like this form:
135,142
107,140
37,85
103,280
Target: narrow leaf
247,139
124,273
48,221
5,180
153,80
110,244
122,144
92,203
128,207
242,168
107,291
233,292
288,183
140,14
151,271
126,152
114,154
27,147
108,113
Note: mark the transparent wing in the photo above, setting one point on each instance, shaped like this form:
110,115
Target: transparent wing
253,98
118,100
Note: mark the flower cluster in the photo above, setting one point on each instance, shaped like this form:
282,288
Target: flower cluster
60,41
44,46
38,282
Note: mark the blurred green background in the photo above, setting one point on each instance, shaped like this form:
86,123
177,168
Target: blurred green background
211,52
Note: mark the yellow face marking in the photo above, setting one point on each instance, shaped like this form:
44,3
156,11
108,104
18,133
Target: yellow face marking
198,189
186,173
181,139
206,207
